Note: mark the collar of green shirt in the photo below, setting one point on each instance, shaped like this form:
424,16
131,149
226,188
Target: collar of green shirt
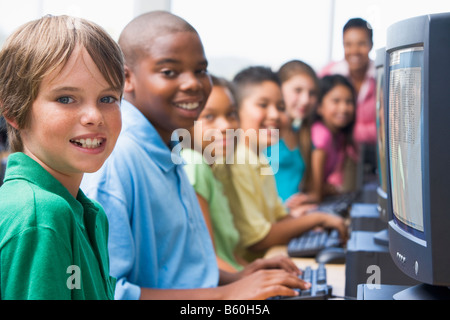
21,166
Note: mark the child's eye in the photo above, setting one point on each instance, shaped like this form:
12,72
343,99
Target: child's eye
202,71
208,117
168,73
65,100
108,100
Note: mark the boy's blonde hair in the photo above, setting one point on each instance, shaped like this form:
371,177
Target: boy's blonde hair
40,47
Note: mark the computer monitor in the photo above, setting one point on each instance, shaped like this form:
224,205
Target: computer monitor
418,89
381,134
381,237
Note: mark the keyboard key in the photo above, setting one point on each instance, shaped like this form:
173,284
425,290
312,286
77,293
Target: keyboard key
305,293
321,274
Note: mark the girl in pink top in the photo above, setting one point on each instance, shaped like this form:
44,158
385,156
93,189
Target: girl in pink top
331,136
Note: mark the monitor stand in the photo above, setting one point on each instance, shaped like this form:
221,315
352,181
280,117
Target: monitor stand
382,238
423,292
399,292
382,292
362,252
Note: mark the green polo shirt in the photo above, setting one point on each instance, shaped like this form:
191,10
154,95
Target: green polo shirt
52,246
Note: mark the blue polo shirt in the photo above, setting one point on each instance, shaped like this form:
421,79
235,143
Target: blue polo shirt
158,238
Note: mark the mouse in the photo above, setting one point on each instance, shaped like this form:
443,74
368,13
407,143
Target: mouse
331,255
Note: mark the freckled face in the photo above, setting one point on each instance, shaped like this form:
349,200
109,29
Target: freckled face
75,120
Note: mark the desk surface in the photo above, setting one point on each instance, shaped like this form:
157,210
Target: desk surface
335,272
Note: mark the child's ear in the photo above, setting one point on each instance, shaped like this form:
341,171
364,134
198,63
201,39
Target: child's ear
129,84
12,122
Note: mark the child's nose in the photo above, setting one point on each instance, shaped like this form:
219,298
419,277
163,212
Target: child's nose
91,115
190,82
273,113
221,124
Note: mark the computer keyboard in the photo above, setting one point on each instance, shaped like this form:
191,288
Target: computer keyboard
320,290
339,205
312,242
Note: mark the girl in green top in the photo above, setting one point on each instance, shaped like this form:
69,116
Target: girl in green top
61,82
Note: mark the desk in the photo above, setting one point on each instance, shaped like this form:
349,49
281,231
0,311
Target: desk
335,272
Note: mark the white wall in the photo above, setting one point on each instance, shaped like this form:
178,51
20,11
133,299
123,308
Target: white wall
113,15
237,33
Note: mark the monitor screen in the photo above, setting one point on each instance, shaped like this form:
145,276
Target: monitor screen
405,137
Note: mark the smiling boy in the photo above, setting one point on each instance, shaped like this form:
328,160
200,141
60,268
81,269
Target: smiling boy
57,91
159,245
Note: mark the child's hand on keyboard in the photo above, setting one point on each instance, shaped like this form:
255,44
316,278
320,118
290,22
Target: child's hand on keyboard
278,262
264,284
299,199
332,221
302,210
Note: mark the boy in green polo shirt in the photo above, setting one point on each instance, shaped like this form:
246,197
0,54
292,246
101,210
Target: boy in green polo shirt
61,82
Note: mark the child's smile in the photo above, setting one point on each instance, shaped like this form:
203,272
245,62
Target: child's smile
94,143
188,105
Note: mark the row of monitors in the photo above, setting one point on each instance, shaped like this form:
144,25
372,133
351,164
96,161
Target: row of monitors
413,128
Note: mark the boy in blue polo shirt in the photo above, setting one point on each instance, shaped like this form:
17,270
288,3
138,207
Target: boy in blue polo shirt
160,247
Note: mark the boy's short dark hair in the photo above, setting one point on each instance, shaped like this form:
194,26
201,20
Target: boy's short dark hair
135,44
360,23
252,76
